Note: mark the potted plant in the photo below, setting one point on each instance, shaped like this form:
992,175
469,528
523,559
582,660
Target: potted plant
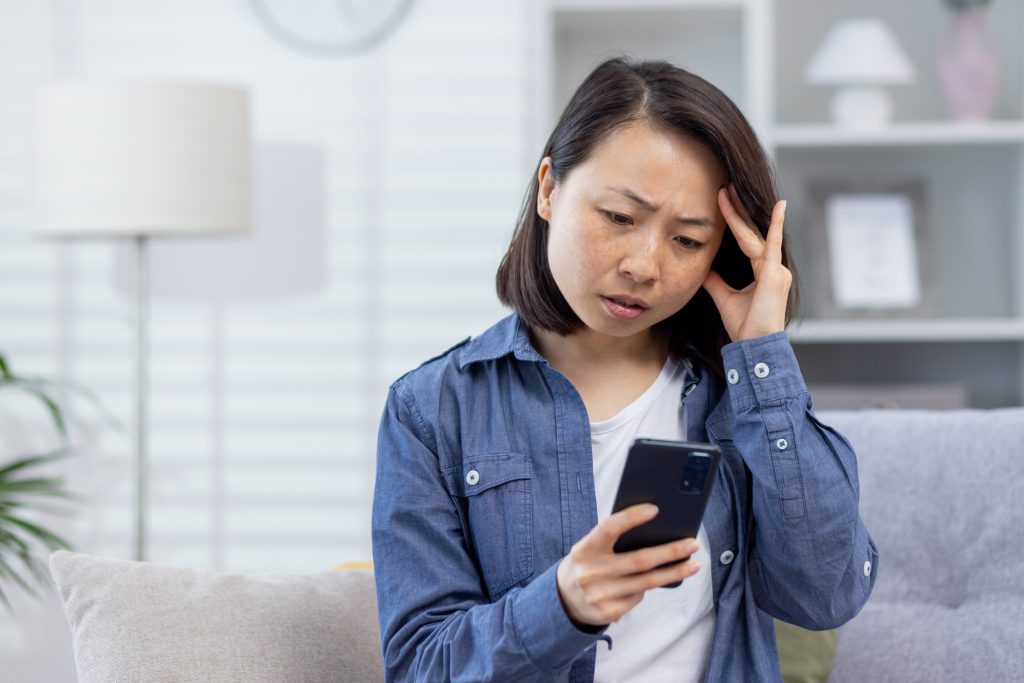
20,492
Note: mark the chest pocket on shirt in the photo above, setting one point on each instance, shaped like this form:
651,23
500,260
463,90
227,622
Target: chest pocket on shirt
494,492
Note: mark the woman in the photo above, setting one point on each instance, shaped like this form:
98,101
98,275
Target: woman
651,286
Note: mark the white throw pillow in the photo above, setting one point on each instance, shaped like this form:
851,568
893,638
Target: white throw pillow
140,622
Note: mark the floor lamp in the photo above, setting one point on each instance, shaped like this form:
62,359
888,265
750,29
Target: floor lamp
140,159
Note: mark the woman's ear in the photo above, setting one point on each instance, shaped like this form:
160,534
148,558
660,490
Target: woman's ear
545,187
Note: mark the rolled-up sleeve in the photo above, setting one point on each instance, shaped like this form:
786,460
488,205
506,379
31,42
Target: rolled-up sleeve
436,620
813,562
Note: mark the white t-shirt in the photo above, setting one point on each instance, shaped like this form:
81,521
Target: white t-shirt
667,636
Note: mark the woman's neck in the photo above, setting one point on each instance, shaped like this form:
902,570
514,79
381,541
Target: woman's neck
608,372
586,349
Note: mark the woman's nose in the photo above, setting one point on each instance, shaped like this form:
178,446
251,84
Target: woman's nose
641,262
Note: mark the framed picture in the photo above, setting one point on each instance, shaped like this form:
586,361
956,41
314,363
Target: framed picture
868,243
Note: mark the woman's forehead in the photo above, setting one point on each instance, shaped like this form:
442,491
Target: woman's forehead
649,161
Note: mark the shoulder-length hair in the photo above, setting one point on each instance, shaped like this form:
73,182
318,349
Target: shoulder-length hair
621,91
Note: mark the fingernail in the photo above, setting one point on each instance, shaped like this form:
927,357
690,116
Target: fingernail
784,203
651,510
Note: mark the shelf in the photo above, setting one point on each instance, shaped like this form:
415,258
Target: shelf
980,330
923,133
639,5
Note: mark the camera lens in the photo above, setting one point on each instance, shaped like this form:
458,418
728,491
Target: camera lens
695,472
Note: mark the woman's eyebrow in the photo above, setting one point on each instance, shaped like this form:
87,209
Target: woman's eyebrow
700,222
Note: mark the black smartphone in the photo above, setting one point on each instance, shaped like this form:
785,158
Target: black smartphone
677,476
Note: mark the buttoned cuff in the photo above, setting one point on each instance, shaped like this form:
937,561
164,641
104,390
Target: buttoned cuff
547,635
761,370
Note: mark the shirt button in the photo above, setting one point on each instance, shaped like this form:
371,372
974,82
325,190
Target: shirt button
867,568
761,370
472,477
733,376
782,444
727,557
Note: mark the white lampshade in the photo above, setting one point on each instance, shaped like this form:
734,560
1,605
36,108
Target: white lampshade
860,51
140,158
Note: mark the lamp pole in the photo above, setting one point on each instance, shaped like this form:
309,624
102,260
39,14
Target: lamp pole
141,392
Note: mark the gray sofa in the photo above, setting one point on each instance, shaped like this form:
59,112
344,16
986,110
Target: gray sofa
941,493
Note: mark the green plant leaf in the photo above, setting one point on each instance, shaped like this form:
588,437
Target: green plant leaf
7,571
33,487
40,383
3,599
41,483
55,413
37,507
10,539
38,459
37,569
48,537
15,488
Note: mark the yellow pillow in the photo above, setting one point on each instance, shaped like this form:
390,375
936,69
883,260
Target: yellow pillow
805,656
354,565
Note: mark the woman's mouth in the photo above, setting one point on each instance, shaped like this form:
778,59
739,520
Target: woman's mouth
621,309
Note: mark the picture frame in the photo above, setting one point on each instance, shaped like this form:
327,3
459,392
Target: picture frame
870,250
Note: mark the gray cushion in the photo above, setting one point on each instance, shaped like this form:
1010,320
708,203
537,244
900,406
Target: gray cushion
941,494
140,621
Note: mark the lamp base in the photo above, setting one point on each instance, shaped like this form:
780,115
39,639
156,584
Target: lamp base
861,107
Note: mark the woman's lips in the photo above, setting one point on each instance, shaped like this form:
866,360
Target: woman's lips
622,312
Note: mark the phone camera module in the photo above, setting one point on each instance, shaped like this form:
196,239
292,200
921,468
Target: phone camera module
695,472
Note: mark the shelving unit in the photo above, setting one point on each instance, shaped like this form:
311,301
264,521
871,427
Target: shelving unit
972,245
977,330
922,134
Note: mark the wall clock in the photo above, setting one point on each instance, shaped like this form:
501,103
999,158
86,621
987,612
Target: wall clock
331,28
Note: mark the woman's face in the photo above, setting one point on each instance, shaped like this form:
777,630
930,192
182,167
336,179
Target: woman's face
639,219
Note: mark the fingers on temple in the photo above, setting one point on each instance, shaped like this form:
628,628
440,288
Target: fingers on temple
773,243
749,240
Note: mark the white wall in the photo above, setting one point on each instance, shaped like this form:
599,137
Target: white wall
264,412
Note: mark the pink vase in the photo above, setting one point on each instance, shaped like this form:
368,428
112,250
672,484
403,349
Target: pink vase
969,66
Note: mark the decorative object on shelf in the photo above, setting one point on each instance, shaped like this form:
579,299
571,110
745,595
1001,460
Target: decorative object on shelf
866,238
140,159
860,55
330,28
969,61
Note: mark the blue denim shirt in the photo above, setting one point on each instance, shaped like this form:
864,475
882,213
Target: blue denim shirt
485,481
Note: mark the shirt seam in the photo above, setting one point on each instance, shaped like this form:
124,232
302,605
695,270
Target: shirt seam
420,426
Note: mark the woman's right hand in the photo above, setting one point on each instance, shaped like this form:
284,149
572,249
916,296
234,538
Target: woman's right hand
597,585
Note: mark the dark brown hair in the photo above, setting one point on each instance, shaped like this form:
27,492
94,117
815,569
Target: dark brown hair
617,92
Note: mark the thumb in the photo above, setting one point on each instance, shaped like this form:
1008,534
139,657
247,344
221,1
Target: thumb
717,288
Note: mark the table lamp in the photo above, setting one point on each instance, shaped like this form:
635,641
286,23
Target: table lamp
860,55
140,159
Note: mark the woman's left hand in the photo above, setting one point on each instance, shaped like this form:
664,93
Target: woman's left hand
760,307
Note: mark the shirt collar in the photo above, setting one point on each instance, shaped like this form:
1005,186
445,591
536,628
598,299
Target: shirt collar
511,335
508,335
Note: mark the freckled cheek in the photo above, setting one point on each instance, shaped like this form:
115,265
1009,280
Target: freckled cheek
572,262
687,279
596,258
589,253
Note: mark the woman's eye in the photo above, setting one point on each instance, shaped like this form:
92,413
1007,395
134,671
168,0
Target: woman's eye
688,242
614,218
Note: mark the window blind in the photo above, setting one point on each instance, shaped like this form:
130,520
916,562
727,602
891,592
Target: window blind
264,413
